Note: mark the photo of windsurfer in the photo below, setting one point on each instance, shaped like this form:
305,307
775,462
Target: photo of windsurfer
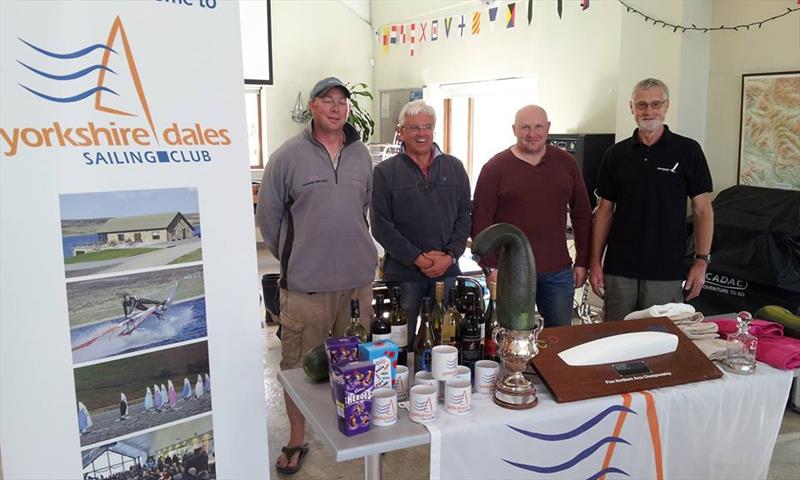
131,394
116,315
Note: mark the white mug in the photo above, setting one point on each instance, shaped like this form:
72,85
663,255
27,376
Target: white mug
384,407
422,407
486,376
444,361
424,377
463,373
401,382
458,396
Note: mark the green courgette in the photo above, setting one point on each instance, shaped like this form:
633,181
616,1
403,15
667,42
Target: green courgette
516,274
776,313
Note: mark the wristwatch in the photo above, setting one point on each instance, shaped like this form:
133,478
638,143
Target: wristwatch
705,258
455,260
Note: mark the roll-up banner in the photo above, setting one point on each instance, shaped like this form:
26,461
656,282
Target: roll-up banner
129,326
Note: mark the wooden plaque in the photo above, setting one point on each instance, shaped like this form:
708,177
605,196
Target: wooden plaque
685,365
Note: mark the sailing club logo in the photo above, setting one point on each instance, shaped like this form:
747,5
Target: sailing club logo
120,127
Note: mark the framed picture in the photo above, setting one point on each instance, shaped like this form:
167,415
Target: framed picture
769,152
256,22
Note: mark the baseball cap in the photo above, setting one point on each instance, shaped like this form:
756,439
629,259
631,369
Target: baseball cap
326,84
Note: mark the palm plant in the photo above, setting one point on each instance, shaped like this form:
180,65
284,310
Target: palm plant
360,118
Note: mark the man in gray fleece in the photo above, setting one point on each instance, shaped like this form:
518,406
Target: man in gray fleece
312,211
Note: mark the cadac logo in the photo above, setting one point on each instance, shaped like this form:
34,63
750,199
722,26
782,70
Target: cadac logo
116,67
723,281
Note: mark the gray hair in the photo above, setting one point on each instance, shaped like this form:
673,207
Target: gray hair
649,83
415,108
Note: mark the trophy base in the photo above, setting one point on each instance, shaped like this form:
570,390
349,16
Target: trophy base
515,400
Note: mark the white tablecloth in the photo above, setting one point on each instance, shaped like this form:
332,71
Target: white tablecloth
724,428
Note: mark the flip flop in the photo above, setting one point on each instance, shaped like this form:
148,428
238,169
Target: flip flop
289,452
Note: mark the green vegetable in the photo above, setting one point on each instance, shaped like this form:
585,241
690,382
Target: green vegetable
516,275
776,313
315,364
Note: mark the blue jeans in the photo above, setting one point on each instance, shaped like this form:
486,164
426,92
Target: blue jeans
554,297
411,294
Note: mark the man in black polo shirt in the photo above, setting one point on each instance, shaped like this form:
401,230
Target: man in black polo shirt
643,185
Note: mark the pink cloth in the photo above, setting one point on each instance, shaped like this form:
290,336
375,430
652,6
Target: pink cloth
780,352
773,348
758,328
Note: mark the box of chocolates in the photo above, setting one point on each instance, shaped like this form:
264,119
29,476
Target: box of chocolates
341,350
353,384
383,354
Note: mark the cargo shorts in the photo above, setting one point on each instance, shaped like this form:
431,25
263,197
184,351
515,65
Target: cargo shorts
307,318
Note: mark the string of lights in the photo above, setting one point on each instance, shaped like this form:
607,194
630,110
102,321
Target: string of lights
693,27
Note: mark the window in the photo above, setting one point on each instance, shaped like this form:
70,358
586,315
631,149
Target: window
156,236
121,237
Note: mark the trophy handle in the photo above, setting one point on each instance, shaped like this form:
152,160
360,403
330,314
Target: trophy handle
497,335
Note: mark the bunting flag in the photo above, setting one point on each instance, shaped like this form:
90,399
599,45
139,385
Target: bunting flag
559,8
434,30
422,27
530,10
476,23
403,34
385,38
511,13
413,37
585,4
393,35
461,27
492,17
447,23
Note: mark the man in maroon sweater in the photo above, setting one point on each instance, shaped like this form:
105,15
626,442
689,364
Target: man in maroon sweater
533,185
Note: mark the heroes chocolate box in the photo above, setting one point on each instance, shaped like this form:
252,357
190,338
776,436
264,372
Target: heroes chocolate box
352,384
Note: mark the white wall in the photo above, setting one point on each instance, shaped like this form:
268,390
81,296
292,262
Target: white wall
575,60
773,48
312,39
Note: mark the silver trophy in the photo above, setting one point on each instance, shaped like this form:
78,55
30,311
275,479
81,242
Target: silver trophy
517,336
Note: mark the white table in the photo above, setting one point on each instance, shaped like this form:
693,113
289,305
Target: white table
723,428
314,401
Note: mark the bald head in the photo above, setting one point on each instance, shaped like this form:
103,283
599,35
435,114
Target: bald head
531,128
530,110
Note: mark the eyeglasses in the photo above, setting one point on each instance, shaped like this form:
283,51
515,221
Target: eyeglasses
419,128
653,105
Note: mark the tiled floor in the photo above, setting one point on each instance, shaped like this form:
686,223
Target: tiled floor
413,463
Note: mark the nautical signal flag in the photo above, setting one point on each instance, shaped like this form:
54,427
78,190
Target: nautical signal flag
393,35
403,34
434,30
448,22
385,38
476,23
511,14
461,27
585,4
413,37
492,17
423,26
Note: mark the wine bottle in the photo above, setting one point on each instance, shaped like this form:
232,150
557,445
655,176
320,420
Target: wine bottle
424,341
437,316
381,330
461,294
451,321
355,329
399,327
470,335
490,322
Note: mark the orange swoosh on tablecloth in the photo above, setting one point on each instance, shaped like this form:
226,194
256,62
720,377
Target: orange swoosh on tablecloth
655,435
626,401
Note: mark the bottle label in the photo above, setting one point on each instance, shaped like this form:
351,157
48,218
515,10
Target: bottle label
422,361
399,335
490,348
378,337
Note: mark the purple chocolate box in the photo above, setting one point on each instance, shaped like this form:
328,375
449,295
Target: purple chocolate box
340,351
352,384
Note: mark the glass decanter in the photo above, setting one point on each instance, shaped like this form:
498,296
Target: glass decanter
740,353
